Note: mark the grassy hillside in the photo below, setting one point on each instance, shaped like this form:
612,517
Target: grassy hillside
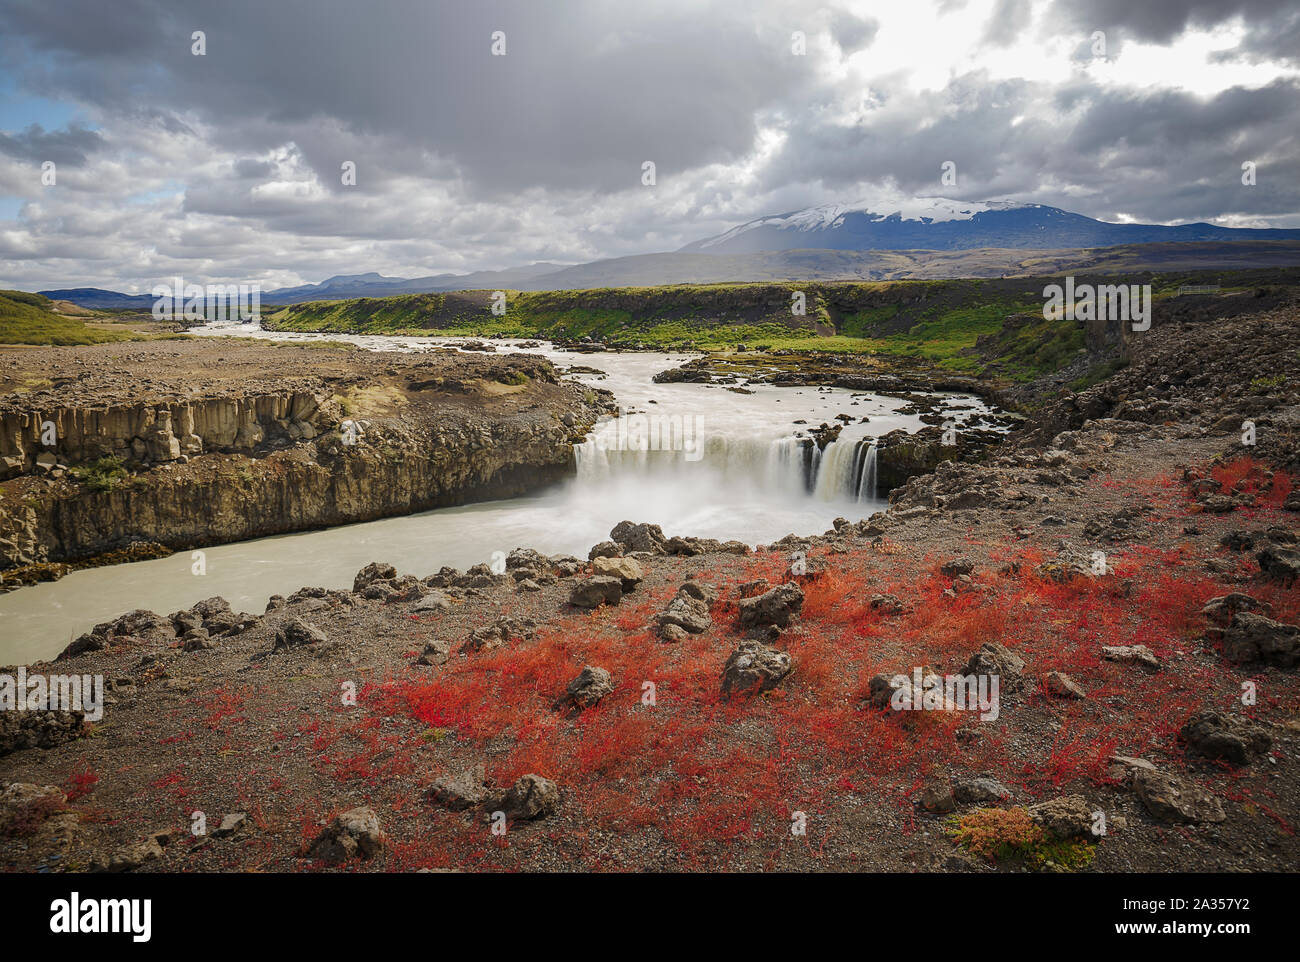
31,319
938,321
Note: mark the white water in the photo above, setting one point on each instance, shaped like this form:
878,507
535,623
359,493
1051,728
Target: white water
733,470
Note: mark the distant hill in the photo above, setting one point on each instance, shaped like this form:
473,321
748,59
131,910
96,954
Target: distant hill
919,238
32,319
942,224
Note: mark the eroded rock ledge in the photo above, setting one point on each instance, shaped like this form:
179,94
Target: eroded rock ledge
254,439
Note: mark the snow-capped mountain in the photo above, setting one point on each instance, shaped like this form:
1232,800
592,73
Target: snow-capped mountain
937,223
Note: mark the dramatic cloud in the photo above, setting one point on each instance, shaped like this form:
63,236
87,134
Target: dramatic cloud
230,165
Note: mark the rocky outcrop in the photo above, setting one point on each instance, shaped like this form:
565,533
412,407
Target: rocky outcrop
155,433
324,482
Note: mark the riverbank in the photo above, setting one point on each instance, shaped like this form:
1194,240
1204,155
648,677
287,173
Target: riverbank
191,443
1079,564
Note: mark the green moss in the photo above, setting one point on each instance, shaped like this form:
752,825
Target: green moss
102,475
1010,834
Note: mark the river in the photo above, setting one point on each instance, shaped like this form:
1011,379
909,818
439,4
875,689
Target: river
727,467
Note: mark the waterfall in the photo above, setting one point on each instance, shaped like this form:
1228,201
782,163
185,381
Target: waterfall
845,470
866,490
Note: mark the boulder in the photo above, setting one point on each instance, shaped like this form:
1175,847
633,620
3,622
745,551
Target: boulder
355,833
1170,799
469,789
1279,564
779,607
586,691
1139,654
686,612
596,591
754,667
298,632
627,570
1063,818
1219,735
639,537
531,797
375,571
1251,637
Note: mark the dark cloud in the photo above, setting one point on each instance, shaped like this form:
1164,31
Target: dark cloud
1272,26
229,164
586,92
69,146
851,32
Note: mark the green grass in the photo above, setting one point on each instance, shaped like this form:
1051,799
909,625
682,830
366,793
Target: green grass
29,319
934,321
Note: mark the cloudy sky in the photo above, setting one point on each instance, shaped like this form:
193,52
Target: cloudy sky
228,166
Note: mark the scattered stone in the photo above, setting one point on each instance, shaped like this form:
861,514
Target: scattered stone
1221,609
980,791
639,537
1065,817
626,570
699,590
1062,685
24,806
938,798
469,789
1215,734
131,857
433,601
888,604
435,653
351,834
1170,799
231,824
531,797
371,573
1279,564
686,612
671,632
606,549
995,659
38,729
1131,653
779,607
754,667
956,567
586,691
1251,637
298,632
503,630
197,639
596,591
1238,541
